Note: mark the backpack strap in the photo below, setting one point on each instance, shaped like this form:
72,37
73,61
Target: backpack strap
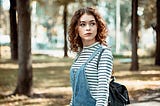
99,57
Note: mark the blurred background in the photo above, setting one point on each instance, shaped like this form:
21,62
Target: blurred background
36,56
47,26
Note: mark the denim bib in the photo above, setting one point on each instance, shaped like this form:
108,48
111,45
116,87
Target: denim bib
81,93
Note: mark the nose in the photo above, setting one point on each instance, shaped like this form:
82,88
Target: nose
87,27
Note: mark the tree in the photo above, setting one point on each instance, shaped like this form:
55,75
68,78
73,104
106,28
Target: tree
65,11
13,30
24,82
157,28
0,23
53,12
151,13
134,36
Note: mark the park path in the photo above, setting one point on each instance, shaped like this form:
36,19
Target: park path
148,100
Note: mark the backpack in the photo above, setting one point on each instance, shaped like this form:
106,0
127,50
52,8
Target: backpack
118,93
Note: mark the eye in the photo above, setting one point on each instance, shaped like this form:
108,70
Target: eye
92,24
82,24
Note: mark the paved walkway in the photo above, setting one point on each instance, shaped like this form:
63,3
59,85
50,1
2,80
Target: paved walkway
150,100
152,103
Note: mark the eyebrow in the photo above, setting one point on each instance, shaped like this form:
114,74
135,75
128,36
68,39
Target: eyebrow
89,21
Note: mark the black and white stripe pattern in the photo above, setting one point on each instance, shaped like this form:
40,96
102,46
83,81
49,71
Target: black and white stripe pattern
98,80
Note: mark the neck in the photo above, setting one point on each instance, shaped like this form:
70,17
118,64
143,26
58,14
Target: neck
87,43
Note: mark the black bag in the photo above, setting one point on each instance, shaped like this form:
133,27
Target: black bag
118,93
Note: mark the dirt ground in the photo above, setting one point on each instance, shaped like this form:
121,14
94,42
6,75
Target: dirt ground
51,81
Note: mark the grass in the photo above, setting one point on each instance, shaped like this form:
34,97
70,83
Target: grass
51,80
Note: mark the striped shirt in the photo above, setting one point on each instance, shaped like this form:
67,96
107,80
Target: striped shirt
98,80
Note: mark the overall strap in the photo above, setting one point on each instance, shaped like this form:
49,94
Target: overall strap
93,54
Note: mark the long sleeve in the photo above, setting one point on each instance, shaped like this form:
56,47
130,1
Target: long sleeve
104,74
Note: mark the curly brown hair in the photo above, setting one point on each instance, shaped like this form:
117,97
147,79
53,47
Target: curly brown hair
74,38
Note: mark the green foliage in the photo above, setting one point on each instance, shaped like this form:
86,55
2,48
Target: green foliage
125,13
149,13
110,11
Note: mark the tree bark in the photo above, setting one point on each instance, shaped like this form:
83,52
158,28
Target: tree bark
24,82
0,23
13,31
134,36
65,30
157,57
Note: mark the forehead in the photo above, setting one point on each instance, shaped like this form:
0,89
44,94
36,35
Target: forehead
86,18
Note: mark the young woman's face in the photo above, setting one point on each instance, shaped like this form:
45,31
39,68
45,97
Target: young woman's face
87,29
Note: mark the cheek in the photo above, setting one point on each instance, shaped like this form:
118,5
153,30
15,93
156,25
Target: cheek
80,31
95,31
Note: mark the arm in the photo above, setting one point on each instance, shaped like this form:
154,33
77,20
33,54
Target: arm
104,73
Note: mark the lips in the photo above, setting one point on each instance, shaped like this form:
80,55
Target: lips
88,33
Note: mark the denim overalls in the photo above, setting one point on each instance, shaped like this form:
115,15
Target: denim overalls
81,93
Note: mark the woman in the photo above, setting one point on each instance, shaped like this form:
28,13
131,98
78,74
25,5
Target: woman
89,77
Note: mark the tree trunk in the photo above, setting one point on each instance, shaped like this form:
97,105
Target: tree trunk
13,31
24,83
65,30
134,36
0,23
157,58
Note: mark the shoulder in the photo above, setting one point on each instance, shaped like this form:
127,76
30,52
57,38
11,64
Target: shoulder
107,49
107,52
